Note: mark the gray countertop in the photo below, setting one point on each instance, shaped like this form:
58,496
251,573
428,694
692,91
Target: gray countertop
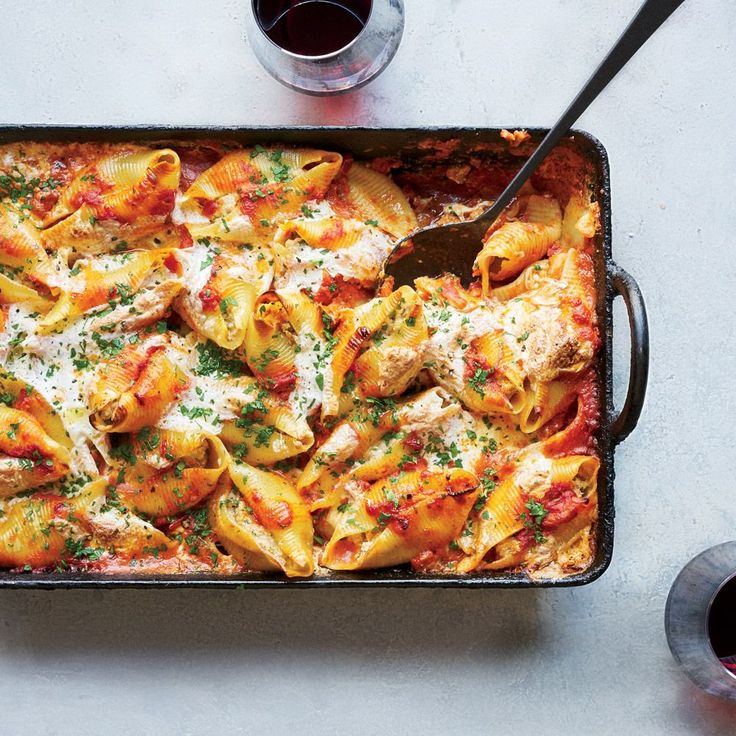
573,661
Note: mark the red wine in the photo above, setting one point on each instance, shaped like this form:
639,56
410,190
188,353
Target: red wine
312,27
722,624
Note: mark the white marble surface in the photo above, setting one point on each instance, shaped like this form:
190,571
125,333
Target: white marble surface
432,662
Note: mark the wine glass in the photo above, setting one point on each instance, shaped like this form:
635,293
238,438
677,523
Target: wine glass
699,620
324,47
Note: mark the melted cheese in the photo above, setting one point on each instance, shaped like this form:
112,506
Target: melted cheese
533,474
196,263
452,333
312,368
208,402
58,367
303,267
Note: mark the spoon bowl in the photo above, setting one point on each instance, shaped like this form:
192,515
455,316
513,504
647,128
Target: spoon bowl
433,251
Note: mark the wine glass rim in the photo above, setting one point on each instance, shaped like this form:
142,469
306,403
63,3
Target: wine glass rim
722,585
309,57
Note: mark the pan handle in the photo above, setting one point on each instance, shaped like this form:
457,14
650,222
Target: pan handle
625,286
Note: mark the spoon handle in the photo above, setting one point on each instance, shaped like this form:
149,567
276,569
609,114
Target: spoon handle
650,17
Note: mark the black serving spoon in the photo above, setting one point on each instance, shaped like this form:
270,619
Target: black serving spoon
454,247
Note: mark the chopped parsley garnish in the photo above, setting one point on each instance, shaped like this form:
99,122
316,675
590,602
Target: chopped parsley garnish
216,361
195,412
384,518
17,187
379,407
280,172
108,348
78,549
256,405
123,293
391,496
348,383
18,339
263,436
155,551
149,440
125,452
265,358
478,381
226,303
199,530
533,520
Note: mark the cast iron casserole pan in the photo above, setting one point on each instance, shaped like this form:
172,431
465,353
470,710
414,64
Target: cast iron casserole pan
408,143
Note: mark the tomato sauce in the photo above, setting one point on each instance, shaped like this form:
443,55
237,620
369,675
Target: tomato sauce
255,202
271,515
195,160
283,383
578,438
210,299
341,291
413,443
562,505
185,239
388,514
209,207
172,264
430,188
25,401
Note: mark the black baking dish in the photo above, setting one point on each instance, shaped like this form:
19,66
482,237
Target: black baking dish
611,281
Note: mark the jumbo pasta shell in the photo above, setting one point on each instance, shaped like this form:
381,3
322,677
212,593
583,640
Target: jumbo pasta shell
21,247
135,389
194,464
418,511
515,244
122,186
30,457
14,292
331,233
281,511
375,197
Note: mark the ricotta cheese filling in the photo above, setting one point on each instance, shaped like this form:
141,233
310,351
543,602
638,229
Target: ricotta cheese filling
303,267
